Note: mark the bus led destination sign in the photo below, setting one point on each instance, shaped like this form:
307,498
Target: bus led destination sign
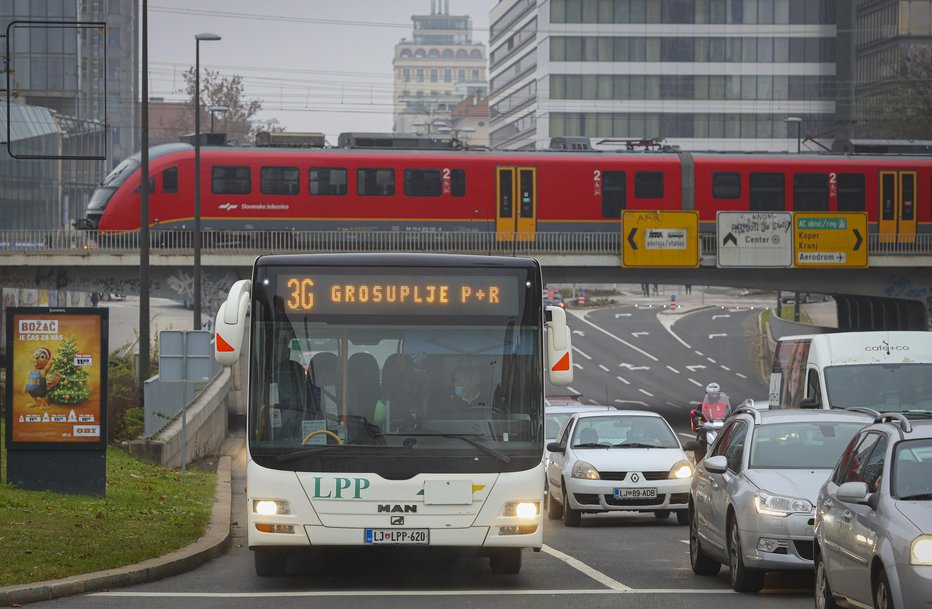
331,294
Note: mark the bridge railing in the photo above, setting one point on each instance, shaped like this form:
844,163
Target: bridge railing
212,241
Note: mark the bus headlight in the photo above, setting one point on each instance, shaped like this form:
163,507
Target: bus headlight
270,507
522,509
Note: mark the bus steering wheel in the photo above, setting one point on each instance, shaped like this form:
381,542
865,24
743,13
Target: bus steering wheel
322,431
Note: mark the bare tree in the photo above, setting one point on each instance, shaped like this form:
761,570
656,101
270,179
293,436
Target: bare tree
218,90
903,108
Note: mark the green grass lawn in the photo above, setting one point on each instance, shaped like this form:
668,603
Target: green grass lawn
148,511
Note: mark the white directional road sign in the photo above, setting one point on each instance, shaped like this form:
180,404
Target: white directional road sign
755,239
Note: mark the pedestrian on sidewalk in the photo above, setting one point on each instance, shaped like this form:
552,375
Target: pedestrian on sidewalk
688,288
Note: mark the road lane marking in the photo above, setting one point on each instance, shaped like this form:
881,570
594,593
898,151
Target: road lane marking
647,393
724,367
711,336
695,382
695,367
638,402
632,367
686,541
688,435
573,390
667,324
604,368
640,334
741,375
577,366
582,567
581,317
700,353
673,370
672,404
408,593
581,353
711,360
626,382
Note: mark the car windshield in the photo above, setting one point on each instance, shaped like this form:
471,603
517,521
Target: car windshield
912,470
801,445
883,387
634,431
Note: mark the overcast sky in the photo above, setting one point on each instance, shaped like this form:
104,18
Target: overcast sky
317,65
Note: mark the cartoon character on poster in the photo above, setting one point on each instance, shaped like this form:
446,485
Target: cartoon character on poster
40,381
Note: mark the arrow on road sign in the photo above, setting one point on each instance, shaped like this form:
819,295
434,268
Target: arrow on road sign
636,334
632,367
696,367
711,336
857,235
634,245
730,237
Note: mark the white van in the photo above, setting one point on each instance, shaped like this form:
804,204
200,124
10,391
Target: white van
880,370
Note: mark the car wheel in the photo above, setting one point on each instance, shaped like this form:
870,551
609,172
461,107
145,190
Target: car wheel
571,517
823,592
506,562
682,517
270,562
742,578
701,563
661,514
882,598
554,509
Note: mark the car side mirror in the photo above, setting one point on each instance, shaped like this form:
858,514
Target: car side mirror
691,446
811,403
854,492
716,465
556,447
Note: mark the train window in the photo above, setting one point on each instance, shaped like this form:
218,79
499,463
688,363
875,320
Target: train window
851,192
375,182
614,193
458,182
327,181
767,192
726,185
170,180
151,186
423,183
648,185
810,192
226,180
279,181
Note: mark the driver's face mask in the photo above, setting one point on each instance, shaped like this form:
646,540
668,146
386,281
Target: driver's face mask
459,391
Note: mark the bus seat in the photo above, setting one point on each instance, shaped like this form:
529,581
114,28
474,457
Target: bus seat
326,383
364,386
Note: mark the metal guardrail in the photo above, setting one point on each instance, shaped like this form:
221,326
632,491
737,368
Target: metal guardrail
212,241
164,400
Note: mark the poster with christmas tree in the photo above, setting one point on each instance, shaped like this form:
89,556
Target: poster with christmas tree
72,388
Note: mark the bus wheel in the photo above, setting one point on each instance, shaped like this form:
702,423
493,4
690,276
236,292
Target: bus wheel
270,562
506,562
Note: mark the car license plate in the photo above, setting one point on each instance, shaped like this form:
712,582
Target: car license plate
635,493
398,536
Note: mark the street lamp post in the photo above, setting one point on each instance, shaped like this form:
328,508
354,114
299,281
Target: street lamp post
799,122
197,174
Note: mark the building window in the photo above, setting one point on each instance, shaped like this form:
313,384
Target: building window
406,53
433,75
170,180
726,185
419,54
375,182
419,74
461,75
327,181
406,74
648,185
475,73
225,180
433,54
279,181
447,54
448,75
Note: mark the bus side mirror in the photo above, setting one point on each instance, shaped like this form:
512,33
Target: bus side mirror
559,348
231,323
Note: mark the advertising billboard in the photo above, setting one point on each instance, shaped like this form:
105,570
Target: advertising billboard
56,377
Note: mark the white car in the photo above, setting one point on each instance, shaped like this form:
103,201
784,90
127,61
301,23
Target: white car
614,461
557,411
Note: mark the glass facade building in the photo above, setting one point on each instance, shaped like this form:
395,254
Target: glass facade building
704,74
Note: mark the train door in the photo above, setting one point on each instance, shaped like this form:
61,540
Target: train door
897,214
516,203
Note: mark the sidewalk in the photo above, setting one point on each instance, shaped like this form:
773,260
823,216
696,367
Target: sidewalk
212,544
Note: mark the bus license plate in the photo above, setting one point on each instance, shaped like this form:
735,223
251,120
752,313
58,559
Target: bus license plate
398,536
635,493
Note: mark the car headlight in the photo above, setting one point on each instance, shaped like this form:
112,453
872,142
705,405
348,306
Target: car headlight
583,470
681,470
778,505
921,551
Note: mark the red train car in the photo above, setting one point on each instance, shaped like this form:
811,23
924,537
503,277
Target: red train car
513,194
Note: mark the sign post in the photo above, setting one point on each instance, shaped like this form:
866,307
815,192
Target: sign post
56,427
755,239
834,239
660,238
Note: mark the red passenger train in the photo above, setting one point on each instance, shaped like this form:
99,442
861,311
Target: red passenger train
512,194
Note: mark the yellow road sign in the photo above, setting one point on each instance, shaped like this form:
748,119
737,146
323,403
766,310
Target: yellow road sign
660,238
830,239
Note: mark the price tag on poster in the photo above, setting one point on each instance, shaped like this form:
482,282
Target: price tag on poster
56,378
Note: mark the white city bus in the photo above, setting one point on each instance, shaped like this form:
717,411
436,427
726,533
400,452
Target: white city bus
394,399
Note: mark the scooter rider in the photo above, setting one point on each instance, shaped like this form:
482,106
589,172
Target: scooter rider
715,407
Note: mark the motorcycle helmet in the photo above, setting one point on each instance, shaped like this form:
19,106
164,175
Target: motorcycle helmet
713,388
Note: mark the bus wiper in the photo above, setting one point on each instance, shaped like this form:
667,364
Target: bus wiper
465,438
304,452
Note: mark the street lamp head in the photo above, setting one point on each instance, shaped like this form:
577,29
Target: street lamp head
206,37
218,109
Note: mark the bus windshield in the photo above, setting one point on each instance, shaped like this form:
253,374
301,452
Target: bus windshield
417,363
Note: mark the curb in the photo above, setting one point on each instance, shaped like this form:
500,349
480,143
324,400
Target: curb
212,544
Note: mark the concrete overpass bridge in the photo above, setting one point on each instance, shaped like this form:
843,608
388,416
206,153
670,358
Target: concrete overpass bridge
893,292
